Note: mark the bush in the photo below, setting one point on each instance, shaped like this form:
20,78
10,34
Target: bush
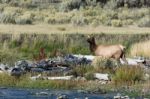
5,1
56,19
9,14
26,18
7,17
144,22
116,23
124,14
23,20
82,70
79,20
127,22
8,57
132,3
89,76
104,63
70,5
95,23
128,75
111,4
91,2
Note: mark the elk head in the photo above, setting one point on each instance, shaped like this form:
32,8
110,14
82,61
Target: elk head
91,41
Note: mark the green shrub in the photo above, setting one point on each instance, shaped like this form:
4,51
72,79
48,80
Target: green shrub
95,23
124,14
116,23
5,1
27,18
79,20
8,57
67,5
56,19
144,22
7,80
104,63
91,2
128,75
23,20
7,17
111,4
82,70
127,22
89,76
106,16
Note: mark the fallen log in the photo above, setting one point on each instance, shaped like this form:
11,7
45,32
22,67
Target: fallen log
51,78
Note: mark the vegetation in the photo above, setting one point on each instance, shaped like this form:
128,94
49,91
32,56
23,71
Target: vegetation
76,12
140,49
61,18
26,46
128,75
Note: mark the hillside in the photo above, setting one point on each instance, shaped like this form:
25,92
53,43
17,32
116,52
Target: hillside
94,13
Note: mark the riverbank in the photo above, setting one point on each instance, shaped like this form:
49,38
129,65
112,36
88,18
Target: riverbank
86,88
127,80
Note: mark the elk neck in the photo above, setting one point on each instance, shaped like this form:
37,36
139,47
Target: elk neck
93,46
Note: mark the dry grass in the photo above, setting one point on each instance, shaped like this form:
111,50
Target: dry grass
48,29
141,49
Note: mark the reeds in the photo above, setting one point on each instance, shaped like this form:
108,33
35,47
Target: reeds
128,75
141,49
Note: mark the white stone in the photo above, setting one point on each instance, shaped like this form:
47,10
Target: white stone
101,76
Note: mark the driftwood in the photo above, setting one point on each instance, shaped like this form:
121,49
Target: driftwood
51,78
133,61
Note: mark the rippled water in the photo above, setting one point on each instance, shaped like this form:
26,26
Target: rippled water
14,93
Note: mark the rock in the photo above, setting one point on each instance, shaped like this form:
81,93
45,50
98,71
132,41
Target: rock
78,59
100,76
3,68
39,77
42,93
81,78
86,98
119,96
147,76
15,71
37,70
62,97
133,61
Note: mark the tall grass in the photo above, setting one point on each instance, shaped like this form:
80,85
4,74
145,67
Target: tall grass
25,82
141,49
128,75
24,46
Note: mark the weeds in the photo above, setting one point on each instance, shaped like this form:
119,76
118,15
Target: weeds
128,75
77,12
25,46
140,49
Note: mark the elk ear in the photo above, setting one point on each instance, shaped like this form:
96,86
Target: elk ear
88,36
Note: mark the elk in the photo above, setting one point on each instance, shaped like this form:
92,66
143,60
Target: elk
107,51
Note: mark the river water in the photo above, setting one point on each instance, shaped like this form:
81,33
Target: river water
15,93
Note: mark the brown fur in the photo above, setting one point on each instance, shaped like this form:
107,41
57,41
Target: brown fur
107,51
